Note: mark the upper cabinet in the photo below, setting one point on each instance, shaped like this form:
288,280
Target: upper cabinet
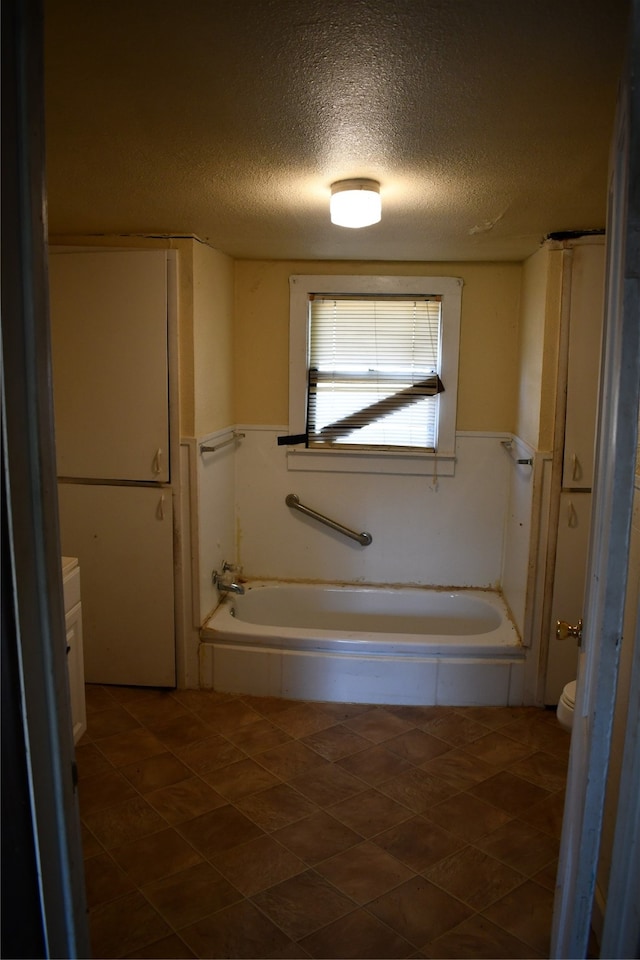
585,335
109,351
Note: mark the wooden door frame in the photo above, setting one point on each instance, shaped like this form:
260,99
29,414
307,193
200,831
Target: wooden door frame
606,586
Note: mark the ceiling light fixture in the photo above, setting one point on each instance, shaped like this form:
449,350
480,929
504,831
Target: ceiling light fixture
355,203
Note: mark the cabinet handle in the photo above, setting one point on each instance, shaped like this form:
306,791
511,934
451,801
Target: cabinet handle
160,510
157,461
572,516
576,471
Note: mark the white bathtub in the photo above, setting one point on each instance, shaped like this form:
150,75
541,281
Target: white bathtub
360,644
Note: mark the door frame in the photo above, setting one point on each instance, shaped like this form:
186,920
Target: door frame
607,566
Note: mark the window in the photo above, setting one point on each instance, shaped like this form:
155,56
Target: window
373,370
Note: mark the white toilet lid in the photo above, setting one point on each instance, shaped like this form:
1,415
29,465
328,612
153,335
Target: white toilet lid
569,694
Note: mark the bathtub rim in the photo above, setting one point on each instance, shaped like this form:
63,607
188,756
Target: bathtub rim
229,629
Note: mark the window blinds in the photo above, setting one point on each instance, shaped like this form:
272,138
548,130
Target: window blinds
373,371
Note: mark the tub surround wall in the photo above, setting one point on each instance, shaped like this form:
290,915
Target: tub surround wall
439,531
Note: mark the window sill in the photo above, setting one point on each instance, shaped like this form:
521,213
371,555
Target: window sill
411,464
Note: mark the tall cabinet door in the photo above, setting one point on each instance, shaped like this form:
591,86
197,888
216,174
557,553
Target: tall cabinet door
123,538
109,352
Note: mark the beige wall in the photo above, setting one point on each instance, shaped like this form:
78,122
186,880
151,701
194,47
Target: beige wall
487,392
212,339
539,342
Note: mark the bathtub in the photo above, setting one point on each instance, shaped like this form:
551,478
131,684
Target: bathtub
363,644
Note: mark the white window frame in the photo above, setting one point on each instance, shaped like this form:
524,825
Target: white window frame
368,460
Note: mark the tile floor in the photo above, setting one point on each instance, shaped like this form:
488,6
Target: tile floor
227,826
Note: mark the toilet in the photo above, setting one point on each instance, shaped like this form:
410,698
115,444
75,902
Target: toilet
566,706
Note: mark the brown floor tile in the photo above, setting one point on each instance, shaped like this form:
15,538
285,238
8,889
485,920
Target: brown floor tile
124,925
236,931
226,717
336,742
90,846
104,789
290,760
526,914
539,734
358,935
220,830
276,807
374,765
478,938
370,812
520,846
182,731
303,719
106,723
417,716
459,769
156,710
546,815
152,773
155,856
328,785
169,948
127,695
123,822
543,769
185,800
240,779
419,911
258,865
317,837
418,843
124,748
197,700
417,789
474,877
369,763
498,750
378,725
90,761
207,755
191,894
364,872
467,816
257,736
98,698
339,712
105,880
303,904
456,729
547,876
508,792
268,706
416,746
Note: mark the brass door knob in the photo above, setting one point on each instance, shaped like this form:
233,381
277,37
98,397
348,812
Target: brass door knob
565,630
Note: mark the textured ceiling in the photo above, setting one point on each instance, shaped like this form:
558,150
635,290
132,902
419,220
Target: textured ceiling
487,122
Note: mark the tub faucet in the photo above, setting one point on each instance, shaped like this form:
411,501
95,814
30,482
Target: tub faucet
224,581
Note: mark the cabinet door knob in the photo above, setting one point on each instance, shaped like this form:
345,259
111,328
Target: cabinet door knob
157,461
576,468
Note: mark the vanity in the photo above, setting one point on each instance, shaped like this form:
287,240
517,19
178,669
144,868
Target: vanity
73,625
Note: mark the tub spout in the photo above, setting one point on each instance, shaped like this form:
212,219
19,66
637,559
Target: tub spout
231,588
224,581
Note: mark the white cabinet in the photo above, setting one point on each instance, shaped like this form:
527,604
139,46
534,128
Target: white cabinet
124,539
73,629
583,370
110,367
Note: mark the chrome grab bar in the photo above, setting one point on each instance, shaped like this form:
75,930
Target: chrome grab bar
232,439
508,445
292,500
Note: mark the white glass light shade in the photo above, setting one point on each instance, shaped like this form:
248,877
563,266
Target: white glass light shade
355,203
